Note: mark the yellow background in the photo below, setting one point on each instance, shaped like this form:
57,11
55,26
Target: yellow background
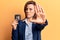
8,8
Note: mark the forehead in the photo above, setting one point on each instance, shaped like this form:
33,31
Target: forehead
30,6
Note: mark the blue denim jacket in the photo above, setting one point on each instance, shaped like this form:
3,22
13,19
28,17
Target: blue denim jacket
19,33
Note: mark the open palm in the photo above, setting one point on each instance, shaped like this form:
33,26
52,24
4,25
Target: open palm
41,18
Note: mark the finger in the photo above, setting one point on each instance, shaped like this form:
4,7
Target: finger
15,22
36,9
42,10
39,8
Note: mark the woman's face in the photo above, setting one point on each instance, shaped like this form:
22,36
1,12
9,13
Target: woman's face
30,11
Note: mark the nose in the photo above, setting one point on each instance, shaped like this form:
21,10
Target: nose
27,10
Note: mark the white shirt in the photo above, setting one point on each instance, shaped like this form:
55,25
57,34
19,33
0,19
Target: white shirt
28,31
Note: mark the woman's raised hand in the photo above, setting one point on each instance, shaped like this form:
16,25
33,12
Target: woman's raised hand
41,18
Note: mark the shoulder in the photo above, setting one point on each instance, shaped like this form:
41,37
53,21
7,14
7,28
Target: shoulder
21,22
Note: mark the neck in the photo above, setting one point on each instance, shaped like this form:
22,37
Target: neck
28,19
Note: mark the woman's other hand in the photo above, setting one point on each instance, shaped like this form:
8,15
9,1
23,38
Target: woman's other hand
14,24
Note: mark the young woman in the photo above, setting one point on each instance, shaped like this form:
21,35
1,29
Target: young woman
30,28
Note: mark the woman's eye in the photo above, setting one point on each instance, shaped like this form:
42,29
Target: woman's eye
30,9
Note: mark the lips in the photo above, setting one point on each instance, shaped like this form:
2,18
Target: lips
28,13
